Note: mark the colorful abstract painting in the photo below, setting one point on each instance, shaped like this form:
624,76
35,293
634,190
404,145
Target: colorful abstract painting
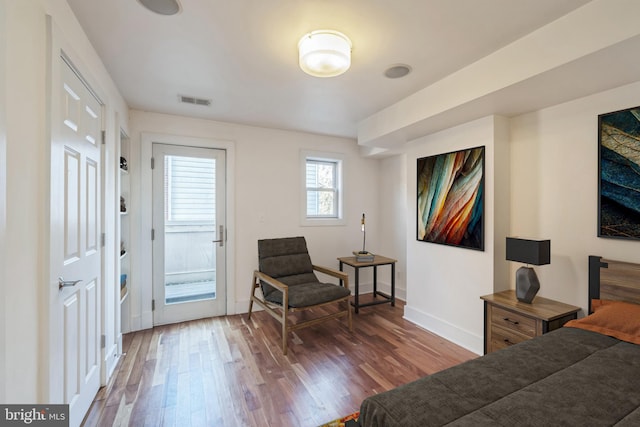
619,164
451,198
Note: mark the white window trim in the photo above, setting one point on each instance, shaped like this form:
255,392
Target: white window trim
332,157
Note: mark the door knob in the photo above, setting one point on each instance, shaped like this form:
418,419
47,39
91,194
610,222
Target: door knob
65,283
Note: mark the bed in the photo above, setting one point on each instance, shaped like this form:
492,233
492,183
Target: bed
584,374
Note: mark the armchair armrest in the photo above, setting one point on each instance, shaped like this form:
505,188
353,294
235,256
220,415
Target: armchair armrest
276,284
334,273
270,280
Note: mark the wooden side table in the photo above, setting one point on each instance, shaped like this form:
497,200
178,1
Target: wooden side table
377,261
508,321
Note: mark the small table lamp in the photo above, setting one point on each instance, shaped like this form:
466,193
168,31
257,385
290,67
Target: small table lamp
536,252
363,255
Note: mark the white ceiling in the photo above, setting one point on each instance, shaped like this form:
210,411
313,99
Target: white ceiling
242,54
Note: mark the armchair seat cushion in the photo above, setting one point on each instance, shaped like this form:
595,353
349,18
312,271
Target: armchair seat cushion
308,294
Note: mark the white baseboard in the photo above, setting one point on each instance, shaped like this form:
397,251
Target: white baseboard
141,322
242,307
446,330
147,320
110,361
135,324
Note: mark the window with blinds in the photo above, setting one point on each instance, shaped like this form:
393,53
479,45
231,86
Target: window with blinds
190,190
322,188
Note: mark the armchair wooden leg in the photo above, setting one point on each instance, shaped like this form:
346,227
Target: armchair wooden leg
253,293
284,332
285,325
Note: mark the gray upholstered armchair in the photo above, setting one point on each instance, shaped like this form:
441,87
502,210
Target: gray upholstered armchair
288,284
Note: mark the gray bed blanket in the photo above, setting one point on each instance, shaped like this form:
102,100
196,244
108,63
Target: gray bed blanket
569,377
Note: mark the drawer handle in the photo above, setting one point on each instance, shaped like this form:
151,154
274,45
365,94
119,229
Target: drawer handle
515,322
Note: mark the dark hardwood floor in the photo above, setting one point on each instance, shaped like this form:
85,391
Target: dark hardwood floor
226,371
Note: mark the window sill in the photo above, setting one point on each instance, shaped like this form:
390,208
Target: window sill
321,222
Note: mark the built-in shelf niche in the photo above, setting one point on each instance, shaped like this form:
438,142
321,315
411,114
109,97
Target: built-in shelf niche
123,279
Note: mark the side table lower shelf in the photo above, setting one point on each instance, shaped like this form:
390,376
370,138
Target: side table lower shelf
378,260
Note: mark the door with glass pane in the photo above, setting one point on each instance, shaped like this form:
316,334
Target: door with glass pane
188,233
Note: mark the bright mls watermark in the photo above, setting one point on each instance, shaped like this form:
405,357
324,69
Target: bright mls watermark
34,415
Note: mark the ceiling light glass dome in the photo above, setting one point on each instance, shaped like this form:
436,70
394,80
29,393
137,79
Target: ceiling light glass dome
324,53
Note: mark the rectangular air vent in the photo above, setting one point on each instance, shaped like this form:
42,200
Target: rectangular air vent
194,100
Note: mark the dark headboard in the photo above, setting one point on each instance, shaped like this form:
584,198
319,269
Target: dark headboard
613,280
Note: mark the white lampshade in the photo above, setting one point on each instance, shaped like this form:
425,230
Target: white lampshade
324,53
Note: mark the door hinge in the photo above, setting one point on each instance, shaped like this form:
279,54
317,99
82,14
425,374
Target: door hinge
153,234
153,163
104,137
103,341
102,239
153,305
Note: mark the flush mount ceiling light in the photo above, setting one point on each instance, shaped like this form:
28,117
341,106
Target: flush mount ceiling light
324,53
162,7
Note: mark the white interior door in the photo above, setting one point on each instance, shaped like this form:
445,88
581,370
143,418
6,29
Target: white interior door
189,242
74,370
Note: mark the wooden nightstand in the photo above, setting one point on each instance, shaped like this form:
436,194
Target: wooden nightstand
508,321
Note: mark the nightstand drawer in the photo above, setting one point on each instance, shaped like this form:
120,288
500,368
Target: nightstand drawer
510,320
501,338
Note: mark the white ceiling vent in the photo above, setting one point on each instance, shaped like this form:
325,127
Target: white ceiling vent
195,101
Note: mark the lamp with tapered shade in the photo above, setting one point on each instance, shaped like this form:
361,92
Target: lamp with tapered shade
532,252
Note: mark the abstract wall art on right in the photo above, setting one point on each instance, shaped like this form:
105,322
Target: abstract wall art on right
450,200
619,174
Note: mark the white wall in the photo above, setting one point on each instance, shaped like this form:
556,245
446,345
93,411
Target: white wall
444,283
541,181
392,208
554,161
25,278
265,176
3,202
25,92
544,168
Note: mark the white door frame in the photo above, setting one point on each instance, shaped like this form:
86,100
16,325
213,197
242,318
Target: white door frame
141,297
50,356
172,313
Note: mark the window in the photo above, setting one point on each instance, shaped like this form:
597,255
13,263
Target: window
322,190
189,190
322,177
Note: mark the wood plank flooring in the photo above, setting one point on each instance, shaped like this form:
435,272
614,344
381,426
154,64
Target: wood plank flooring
227,371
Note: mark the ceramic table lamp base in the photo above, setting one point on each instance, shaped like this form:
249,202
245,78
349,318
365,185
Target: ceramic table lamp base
527,284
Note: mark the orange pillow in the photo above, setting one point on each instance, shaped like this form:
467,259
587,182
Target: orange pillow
613,318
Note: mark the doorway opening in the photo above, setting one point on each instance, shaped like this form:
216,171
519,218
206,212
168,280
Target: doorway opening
189,233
